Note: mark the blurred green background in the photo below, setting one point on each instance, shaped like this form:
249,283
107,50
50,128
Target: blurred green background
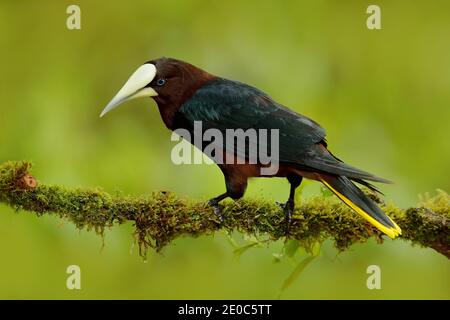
383,96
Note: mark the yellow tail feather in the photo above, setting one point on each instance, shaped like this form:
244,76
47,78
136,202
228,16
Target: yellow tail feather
391,232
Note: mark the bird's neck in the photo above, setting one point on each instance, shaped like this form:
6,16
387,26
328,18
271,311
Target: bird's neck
168,113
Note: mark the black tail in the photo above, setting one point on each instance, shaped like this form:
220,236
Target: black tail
349,193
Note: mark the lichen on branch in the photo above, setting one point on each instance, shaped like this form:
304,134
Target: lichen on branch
162,217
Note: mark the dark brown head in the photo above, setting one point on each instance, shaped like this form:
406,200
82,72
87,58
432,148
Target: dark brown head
169,82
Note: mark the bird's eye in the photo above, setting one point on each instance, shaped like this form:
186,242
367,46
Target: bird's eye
161,82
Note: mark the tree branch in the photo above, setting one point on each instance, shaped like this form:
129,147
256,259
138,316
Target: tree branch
162,217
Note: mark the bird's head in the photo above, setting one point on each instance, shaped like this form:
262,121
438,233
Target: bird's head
169,82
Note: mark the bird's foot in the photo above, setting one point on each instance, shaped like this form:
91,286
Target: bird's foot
217,209
288,209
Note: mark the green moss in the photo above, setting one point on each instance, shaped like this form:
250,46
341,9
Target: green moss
162,217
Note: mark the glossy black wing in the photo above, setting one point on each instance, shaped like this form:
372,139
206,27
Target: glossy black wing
224,104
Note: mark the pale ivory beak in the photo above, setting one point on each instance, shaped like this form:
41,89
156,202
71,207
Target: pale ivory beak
134,87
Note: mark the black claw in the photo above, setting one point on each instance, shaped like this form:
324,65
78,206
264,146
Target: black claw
288,209
288,214
288,218
217,209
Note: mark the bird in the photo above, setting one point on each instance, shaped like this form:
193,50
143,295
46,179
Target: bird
185,93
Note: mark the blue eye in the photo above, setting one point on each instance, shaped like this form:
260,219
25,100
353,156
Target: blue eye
161,82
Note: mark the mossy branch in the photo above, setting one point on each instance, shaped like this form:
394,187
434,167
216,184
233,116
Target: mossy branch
162,217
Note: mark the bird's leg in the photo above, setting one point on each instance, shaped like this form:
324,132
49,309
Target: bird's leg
288,207
235,190
214,202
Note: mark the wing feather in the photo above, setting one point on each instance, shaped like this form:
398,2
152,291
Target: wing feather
224,104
